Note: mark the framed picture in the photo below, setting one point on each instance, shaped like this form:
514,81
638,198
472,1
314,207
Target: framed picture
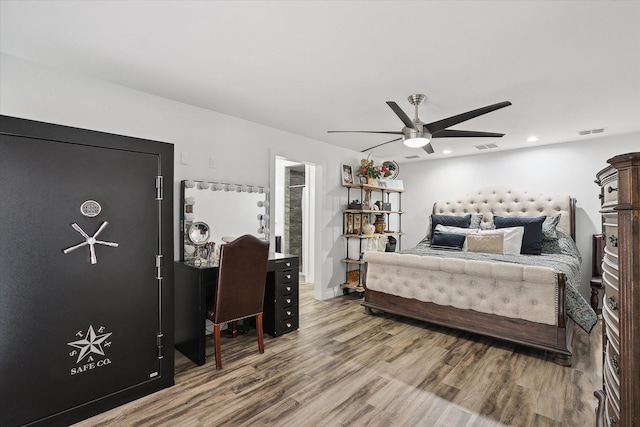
396,184
356,223
348,223
346,172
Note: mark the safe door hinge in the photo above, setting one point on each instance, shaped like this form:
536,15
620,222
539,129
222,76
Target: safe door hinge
159,339
159,267
159,181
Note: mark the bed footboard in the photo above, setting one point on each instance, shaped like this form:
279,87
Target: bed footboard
524,305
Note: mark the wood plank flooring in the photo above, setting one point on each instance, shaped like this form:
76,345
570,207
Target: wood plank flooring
345,368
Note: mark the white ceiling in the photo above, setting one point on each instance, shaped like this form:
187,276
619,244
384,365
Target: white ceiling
308,67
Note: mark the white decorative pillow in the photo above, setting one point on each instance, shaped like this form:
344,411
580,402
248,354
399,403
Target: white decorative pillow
490,243
457,230
512,239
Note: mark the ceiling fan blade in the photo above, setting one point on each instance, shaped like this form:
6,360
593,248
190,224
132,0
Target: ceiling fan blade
401,114
384,143
428,148
365,131
450,133
440,125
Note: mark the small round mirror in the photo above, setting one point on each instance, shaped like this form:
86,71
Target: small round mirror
199,233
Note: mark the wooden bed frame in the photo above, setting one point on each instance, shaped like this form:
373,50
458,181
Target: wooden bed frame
554,338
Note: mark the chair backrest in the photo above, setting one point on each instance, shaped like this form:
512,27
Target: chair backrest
598,254
241,280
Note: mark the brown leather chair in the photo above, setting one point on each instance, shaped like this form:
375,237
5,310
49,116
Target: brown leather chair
240,287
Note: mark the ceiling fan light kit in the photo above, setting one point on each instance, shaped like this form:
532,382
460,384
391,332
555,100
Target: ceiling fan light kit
417,134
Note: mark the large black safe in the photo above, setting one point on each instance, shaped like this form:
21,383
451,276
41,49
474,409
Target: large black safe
86,271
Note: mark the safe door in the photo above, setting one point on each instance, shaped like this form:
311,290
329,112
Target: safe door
80,277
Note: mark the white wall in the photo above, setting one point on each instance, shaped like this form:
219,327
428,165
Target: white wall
568,168
240,149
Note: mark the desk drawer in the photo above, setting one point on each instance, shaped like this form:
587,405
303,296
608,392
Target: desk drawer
286,301
286,313
286,276
284,326
287,264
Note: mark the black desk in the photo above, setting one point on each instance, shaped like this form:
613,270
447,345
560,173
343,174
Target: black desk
194,283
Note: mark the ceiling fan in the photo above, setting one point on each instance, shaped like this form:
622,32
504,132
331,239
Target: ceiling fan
417,134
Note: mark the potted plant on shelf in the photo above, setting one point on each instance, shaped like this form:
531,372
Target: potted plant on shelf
371,171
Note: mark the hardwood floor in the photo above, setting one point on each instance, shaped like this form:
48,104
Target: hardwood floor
345,368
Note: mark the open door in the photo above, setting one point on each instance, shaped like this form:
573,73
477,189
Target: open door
85,271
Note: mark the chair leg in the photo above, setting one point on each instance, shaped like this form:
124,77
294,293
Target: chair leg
216,345
234,329
259,332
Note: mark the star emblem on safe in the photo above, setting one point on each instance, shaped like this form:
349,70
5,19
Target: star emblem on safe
91,343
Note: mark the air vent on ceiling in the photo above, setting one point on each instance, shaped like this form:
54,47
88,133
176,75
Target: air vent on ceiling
590,131
485,146
412,157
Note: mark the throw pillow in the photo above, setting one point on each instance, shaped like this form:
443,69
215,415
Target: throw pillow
491,243
457,230
443,240
532,239
549,227
450,220
512,244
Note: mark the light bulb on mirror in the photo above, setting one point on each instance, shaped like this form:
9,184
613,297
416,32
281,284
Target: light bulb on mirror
189,184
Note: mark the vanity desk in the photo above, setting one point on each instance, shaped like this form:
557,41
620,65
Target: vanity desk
193,283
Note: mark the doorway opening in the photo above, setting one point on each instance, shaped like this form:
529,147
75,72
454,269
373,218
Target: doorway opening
294,213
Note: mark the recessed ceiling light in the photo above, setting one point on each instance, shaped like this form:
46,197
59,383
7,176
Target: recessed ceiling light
446,151
532,139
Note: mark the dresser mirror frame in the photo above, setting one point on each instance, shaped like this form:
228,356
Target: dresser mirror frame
229,210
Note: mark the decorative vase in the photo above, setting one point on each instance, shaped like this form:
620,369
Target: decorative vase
380,224
370,180
368,229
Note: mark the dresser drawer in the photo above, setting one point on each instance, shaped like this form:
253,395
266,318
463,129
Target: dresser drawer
611,239
283,301
611,415
283,289
610,276
284,326
610,190
286,276
287,264
286,313
611,362
612,327
611,298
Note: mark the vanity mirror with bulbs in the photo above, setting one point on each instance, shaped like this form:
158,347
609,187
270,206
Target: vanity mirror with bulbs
215,212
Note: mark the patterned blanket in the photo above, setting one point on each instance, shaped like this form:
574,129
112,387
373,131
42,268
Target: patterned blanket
562,256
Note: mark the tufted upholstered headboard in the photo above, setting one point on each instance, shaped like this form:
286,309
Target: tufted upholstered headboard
507,201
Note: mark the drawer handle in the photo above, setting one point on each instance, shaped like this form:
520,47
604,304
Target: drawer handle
612,303
614,241
288,288
288,300
288,325
289,276
288,264
614,363
288,313
611,189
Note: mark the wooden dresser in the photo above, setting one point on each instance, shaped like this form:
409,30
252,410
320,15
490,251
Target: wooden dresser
619,401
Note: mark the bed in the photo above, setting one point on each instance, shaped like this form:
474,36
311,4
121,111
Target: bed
529,299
